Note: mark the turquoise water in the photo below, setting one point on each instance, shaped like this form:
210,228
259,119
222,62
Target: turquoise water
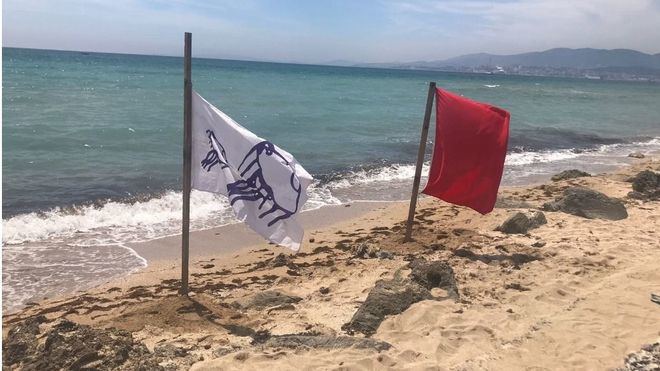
92,142
83,127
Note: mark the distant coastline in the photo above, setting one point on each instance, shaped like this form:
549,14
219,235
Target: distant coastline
585,63
509,65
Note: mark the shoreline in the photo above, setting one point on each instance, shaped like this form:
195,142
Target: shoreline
552,298
236,238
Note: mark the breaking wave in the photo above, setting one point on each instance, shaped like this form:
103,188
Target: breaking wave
120,222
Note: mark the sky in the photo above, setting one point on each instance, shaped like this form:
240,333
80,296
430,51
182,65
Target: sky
309,31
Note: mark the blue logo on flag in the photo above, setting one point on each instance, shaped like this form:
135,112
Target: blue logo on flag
213,157
254,183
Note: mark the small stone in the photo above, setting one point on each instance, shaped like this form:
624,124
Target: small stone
311,240
324,290
636,155
521,223
383,254
539,244
569,174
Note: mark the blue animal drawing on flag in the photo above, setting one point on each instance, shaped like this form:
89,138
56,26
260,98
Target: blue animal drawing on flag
253,185
213,157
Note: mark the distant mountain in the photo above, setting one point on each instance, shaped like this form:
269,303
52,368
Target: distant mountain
617,64
560,57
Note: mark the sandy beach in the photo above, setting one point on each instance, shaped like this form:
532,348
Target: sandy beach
573,293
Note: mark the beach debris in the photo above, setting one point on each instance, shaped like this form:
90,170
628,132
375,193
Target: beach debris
280,307
539,244
436,247
293,272
223,351
281,260
589,204
388,297
646,359
515,286
655,298
570,174
71,346
267,299
516,259
636,155
322,249
646,186
21,341
360,251
434,274
325,342
384,254
364,251
521,223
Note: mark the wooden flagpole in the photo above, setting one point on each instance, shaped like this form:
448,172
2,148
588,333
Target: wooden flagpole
420,162
187,155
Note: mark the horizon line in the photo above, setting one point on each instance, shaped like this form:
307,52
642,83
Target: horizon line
355,64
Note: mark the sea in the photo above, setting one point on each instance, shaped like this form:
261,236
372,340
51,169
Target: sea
92,145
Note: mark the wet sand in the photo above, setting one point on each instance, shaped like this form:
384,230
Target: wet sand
232,238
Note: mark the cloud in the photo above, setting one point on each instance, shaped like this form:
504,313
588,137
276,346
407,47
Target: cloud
518,26
289,30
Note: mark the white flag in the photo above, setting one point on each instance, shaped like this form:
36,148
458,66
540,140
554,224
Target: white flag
265,185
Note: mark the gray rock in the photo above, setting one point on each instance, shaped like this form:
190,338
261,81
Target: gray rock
268,299
646,359
360,251
521,223
386,298
325,342
384,254
434,274
223,351
646,185
21,341
636,155
569,174
70,346
364,251
588,204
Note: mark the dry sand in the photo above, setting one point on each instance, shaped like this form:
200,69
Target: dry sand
571,294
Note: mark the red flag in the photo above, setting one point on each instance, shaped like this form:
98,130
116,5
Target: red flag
470,147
